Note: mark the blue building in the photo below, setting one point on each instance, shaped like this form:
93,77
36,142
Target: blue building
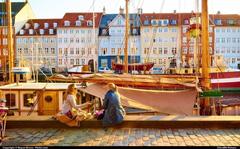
111,39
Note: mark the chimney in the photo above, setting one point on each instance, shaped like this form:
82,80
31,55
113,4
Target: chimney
121,10
26,1
174,11
218,12
140,10
104,10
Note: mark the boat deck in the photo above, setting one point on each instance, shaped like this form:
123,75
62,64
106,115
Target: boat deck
132,121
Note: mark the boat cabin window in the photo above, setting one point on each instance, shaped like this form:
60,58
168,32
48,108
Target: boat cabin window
30,31
50,31
26,99
11,100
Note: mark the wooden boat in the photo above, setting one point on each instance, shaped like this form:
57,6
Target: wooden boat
132,67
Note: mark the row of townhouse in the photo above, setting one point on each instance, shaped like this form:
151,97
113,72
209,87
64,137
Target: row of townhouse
80,38
158,37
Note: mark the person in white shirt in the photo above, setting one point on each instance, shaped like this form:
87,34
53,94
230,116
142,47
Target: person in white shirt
70,102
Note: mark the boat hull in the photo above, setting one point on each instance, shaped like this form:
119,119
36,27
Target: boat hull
225,80
132,67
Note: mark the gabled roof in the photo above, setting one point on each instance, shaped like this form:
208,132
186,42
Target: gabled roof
106,19
40,22
16,7
73,17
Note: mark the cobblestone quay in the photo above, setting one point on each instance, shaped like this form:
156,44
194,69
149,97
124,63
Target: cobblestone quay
121,137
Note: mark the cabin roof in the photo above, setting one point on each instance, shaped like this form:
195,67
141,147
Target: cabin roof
35,86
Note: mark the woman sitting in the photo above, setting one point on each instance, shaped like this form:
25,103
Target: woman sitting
113,110
70,102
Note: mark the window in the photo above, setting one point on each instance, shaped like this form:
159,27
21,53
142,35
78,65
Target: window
36,25
30,31
52,50
71,51
154,22
173,22
218,22
231,22
11,100
89,23
223,40
80,17
26,98
55,25
72,61
77,51
60,61
113,50
186,22
66,23
78,23
165,22
50,31
45,25
146,22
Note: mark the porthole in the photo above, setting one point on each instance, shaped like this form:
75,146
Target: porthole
48,99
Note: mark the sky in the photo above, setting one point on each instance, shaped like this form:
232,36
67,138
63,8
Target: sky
57,8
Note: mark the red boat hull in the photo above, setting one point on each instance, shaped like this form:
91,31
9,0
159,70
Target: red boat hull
131,67
225,80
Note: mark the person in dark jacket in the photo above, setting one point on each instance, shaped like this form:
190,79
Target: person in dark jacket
113,110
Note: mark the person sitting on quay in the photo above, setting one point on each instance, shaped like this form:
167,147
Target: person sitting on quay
113,110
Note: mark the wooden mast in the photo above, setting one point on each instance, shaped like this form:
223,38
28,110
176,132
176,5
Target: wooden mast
10,40
205,46
126,40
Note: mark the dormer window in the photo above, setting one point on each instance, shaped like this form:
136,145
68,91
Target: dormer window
27,26
89,23
146,22
55,25
78,23
80,17
218,22
154,22
230,22
30,31
41,31
66,23
45,25
186,22
173,22
50,31
36,25
21,32
165,22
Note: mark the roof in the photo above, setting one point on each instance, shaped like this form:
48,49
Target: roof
106,19
16,7
40,22
73,17
35,86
